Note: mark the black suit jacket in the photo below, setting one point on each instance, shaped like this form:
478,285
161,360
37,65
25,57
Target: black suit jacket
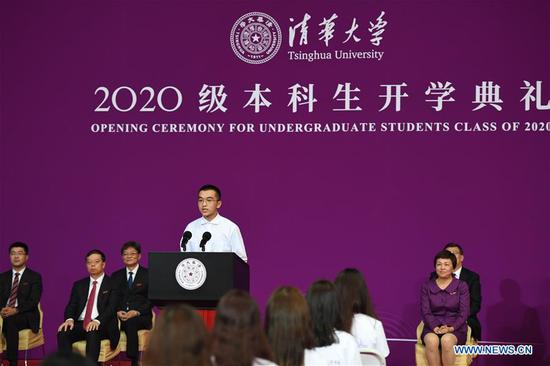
474,287
107,299
136,297
28,295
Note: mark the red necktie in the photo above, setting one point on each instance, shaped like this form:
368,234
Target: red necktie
13,293
90,306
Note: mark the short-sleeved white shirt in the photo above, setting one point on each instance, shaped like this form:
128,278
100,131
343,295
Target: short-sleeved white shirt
369,333
344,352
226,236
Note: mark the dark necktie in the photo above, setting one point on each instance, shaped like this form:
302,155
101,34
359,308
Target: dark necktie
130,279
13,293
90,306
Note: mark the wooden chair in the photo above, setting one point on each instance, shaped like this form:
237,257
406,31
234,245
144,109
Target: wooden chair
370,357
106,353
27,338
421,360
143,338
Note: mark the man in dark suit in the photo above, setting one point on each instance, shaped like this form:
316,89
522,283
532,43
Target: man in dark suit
90,314
134,307
20,291
474,286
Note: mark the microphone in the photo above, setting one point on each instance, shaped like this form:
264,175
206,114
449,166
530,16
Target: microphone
205,237
184,239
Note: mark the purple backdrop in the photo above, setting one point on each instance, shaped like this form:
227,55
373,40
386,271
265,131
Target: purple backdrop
308,205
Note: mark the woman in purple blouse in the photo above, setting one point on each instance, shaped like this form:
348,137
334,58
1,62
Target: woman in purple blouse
445,303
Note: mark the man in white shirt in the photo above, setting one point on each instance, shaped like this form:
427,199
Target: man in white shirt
225,234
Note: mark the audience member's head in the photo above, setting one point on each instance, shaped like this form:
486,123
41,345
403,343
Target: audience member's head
323,307
67,359
238,337
353,297
457,251
444,263
179,338
288,326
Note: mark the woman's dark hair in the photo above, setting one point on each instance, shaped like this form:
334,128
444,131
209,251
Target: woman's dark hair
353,297
179,338
288,326
238,337
323,308
445,254
64,358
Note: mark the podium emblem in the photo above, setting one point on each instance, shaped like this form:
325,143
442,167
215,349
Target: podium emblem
191,273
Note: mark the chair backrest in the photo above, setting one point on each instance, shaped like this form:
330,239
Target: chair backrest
41,315
419,330
370,357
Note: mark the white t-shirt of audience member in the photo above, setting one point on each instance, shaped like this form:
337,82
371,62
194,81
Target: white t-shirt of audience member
256,362
344,352
262,362
369,333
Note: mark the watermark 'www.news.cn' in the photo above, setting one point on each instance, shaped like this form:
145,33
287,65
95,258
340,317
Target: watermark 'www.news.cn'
503,349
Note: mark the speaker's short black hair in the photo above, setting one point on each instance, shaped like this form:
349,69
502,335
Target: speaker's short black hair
95,251
211,187
19,244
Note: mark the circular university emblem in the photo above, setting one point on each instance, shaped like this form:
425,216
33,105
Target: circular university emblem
255,38
190,273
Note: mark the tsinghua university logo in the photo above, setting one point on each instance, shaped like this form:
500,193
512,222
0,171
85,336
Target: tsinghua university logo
256,38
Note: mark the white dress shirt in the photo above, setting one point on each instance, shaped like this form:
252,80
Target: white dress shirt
343,352
369,333
457,272
226,236
95,312
134,272
13,272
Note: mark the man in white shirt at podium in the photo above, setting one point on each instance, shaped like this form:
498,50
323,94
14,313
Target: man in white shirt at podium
212,232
